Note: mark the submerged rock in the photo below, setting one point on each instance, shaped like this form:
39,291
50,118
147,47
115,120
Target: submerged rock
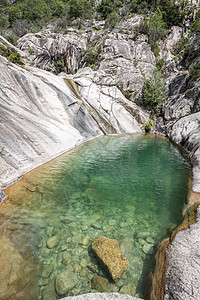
110,256
53,241
127,289
65,282
99,283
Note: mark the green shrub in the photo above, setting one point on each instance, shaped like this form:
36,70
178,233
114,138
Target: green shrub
91,56
105,8
59,66
79,9
12,39
148,125
160,63
195,28
15,58
10,55
194,70
157,29
112,20
154,91
31,50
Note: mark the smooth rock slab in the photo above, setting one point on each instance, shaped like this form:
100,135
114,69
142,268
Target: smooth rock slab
110,256
182,275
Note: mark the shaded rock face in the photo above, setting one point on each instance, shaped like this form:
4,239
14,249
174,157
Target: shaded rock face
46,50
186,132
183,269
110,256
182,119
125,57
126,61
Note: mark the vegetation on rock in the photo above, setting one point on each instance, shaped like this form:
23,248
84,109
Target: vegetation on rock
10,55
154,91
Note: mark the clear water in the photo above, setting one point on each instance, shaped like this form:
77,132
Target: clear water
128,188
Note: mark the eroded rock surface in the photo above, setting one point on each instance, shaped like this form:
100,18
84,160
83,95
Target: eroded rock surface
182,276
47,49
39,109
125,56
110,256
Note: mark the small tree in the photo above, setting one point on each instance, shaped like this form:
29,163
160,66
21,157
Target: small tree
195,28
157,28
154,91
79,8
105,8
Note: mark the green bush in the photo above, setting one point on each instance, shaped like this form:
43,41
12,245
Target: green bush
154,91
10,55
31,50
79,9
59,66
160,63
105,8
91,57
148,125
195,28
194,70
15,58
112,20
157,29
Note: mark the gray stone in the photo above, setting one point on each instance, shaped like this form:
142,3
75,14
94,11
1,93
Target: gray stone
147,248
53,241
65,257
127,289
102,296
64,282
182,275
47,271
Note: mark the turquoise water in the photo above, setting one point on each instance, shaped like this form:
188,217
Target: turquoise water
128,188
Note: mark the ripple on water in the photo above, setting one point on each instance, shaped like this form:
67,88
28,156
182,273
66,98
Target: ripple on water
128,188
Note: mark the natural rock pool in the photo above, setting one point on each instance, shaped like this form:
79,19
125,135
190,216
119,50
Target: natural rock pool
130,188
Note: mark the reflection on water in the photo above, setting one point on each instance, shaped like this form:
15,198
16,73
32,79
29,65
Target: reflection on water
128,188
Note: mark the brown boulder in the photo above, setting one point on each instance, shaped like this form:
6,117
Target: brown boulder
99,283
110,256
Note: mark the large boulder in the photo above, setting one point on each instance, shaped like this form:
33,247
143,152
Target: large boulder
182,275
110,256
102,296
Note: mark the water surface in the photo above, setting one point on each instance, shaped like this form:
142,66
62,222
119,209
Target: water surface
128,188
